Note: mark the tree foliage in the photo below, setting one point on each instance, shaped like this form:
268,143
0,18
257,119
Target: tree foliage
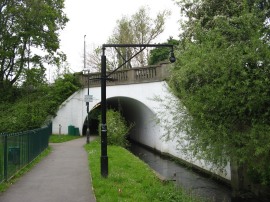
222,77
28,34
140,28
161,54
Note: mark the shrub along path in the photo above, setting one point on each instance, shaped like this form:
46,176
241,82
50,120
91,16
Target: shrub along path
62,176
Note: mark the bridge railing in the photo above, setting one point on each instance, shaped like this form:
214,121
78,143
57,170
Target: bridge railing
147,74
18,149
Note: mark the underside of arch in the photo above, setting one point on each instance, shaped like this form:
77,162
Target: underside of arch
134,112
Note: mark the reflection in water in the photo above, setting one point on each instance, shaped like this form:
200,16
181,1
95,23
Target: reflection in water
184,177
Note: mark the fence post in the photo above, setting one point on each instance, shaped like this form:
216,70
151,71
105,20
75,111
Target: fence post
5,158
28,147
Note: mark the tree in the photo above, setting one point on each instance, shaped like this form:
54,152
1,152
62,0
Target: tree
34,78
26,27
222,79
123,34
140,28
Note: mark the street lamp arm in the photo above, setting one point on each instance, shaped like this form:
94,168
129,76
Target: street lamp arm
136,45
126,61
141,46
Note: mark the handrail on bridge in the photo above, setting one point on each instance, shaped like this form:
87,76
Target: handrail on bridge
152,73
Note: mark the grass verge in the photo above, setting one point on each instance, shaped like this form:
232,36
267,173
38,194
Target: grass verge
5,185
62,138
130,179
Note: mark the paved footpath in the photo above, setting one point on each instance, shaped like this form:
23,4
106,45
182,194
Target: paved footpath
63,176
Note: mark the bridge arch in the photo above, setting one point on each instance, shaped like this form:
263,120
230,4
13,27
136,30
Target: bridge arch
135,111
135,99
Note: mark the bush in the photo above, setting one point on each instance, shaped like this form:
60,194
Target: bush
117,129
30,108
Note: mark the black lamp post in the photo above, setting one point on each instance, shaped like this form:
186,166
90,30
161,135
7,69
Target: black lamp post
87,102
87,105
104,78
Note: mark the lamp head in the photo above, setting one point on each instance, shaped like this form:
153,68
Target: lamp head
172,57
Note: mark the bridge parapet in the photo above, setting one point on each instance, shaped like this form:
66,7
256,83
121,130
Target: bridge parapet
152,73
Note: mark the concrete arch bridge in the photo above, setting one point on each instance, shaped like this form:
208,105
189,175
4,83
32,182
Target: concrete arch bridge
133,93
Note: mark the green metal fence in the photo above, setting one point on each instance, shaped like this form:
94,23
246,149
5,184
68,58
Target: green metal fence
18,149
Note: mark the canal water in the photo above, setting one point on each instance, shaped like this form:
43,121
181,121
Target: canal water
192,182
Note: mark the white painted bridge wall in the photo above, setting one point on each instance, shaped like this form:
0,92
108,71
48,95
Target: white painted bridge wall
73,112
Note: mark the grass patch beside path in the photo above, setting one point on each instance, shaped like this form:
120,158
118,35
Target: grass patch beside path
129,179
62,138
5,185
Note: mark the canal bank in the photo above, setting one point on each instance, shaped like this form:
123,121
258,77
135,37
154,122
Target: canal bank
191,179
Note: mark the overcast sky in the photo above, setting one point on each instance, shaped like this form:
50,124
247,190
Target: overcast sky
97,19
